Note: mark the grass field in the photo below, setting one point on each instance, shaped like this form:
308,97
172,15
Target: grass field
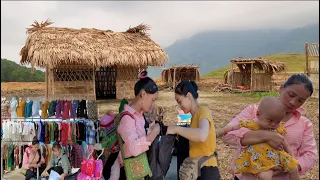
294,63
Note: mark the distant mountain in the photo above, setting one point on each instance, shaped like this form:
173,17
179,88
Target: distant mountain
214,49
13,72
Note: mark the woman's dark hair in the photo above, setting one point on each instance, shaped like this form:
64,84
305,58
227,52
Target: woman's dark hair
187,86
145,83
35,141
56,145
299,79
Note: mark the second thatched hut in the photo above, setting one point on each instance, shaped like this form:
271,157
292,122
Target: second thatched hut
254,74
176,73
90,63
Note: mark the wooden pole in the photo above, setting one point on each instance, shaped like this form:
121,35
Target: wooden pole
251,83
94,84
174,78
307,59
231,76
47,83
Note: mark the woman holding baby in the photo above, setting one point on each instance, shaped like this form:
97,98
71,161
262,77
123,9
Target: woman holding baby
299,136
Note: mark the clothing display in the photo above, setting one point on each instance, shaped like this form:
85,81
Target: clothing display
60,121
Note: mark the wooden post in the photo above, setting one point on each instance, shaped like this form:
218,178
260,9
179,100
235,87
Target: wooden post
197,77
47,83
94,84
307,59
251,83
231,76
174,78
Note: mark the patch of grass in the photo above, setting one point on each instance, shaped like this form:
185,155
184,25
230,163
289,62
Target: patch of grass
259,95
294,63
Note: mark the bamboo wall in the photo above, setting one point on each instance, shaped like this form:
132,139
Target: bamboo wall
71,82
260,82
314,76
126,79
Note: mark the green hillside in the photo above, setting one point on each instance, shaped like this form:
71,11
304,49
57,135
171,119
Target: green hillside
294,63
13,72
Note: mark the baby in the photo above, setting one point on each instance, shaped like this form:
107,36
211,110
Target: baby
260,159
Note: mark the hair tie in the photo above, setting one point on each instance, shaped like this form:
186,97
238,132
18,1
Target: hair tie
143,76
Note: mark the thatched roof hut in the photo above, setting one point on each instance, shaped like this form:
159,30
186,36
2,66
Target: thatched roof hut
259,63
106,62
52,46
253,73
179,73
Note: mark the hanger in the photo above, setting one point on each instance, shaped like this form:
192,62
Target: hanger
98,147
90,154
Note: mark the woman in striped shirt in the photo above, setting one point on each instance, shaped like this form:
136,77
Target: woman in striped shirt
293,94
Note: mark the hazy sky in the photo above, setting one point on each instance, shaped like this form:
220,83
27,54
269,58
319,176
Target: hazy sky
169,20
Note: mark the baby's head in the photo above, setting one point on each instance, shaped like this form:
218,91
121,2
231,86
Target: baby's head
270,113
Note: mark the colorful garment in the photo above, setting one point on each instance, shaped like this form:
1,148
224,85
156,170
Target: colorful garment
59,108
52,108
20,108
258,158
92,110
36,108
299,136
75,104
82,109
44,109
67,110
28,109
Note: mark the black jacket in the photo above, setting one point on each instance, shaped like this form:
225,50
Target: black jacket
160,154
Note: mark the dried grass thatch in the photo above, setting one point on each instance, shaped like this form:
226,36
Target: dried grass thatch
52,46
258,63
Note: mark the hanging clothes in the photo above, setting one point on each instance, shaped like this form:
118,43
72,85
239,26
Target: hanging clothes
82,110
44,109
59,108
92,110
67,110
75,104
28,109
52,108
35,108
20,108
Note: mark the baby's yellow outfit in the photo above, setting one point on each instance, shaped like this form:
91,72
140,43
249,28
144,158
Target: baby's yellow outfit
258,158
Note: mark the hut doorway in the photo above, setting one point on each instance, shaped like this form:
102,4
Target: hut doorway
106,83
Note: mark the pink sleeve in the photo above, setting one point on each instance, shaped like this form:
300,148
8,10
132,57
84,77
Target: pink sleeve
233,138
115,170
133,144
307,154
25,160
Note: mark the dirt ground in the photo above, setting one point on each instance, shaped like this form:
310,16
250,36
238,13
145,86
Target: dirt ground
224,105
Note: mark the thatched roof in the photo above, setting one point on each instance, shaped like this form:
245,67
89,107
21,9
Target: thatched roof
52,46
258,63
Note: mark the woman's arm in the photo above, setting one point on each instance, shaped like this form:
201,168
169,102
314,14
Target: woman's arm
193,134
307,153
234,137
135,145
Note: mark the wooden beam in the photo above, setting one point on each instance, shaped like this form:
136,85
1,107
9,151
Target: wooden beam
249,62
251,83
307,59
47,83
174,78
231,77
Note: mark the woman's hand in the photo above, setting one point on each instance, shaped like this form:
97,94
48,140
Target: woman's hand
275,140
44,173
62,176
155,128
171,130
